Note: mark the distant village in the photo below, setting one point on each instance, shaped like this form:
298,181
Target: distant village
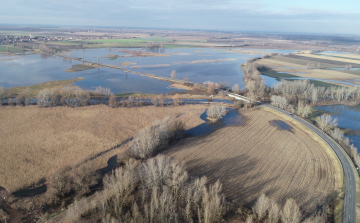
11,39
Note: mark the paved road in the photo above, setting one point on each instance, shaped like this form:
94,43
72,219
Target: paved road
349,215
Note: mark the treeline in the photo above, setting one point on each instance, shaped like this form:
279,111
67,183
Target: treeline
299,97
144,188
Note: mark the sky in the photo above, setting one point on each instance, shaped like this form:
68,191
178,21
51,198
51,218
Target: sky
304,16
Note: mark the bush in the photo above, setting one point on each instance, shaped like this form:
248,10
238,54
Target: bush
63,181
177,100
152,139
158,190
113,102
216,111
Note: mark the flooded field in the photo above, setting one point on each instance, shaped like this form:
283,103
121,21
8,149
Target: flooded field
348,117
197,64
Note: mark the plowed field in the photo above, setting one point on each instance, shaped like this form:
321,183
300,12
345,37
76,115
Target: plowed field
267,154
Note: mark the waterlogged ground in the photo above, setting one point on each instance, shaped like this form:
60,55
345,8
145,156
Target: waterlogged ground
348,117
198,64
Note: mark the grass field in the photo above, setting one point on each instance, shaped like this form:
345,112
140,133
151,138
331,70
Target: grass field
36,140
11,49
14,91
259,157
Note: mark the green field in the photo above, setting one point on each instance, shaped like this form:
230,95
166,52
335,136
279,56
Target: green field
11,49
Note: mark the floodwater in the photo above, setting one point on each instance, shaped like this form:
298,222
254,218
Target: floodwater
232,118
32,69
348,117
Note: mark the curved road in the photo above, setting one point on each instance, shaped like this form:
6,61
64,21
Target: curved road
349,214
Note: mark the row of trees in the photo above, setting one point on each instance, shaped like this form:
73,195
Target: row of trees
267,210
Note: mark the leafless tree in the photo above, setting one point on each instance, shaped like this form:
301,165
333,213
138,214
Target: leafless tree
273,212
113,102
337,134
216,111
261,206
177,99
303,110
236,88
173,74
291,212
326,122
279,101
211,88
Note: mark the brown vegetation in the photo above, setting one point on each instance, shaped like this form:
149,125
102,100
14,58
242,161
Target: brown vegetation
35,141
249,165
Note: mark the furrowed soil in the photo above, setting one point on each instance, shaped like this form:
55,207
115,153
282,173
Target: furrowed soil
36,140
267,154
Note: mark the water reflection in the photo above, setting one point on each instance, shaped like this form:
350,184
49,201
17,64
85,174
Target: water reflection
348,117
233,118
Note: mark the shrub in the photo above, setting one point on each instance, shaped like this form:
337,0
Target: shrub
279,101
216,111
291,212
261,206
4,217
325,122
11,102
152,139
130,101
158,190
177,100
113,102
63,181
44,98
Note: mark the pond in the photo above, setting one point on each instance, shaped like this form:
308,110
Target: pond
219,65
348,117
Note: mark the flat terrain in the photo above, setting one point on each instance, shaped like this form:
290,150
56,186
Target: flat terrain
36,140
297,65
266,154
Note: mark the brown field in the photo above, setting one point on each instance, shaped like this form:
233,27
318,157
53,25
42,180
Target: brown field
298,67
335,60
36,140
258,157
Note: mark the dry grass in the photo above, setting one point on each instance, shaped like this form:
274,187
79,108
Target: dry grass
302,71
346,60
148,66
202,61
36,140
14,91
181,86
258,158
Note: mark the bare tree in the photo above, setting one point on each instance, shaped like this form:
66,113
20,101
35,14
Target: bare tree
236,88
173,74
291,212
211,88
303,110
113,102
326,122
216,111
273,212
279,101
261,206
177,99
